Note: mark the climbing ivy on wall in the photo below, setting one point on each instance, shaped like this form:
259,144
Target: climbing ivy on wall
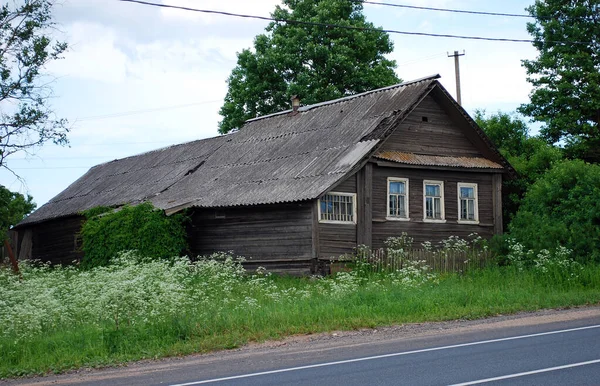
144,228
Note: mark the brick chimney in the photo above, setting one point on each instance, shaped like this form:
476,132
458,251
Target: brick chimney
295,104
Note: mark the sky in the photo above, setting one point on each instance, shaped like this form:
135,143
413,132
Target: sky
138,78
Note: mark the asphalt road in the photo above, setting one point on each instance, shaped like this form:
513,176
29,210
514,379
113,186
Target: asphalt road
534,350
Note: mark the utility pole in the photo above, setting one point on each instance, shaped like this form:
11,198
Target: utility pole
457,70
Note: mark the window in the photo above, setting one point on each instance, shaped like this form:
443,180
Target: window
338,208
397,208
433,201
467,203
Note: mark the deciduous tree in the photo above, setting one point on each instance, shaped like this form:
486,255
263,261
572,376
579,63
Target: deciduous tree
316,62
531,156
26,46
13,208
566,74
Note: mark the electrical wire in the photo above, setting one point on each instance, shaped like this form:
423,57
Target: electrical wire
134,112
445,9
328,25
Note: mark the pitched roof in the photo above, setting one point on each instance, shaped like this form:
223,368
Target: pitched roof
277,158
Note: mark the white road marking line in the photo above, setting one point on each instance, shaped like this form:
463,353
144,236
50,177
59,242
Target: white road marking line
526,373
384,356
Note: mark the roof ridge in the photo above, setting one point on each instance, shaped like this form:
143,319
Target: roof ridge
346,98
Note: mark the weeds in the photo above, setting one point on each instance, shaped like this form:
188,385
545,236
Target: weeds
60,318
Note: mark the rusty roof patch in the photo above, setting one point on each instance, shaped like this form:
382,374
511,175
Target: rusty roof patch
435,160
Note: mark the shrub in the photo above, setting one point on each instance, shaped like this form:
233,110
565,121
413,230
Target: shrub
140,227
562,209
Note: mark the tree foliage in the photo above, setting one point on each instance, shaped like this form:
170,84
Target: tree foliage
13,208
315,62
562,208
142,227
530,156
566,74
26,119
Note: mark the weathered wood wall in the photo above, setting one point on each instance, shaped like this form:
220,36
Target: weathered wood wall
54,241
439,135
428,231
266,234
337,239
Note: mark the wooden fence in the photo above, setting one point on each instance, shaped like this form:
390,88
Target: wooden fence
438,260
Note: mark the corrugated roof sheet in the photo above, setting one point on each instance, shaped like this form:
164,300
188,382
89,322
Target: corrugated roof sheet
433,160
128,180
279,158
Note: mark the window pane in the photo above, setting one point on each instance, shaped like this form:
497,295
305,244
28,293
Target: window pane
471,209
438,207
337,208
397,187
401,209
467,192
432,190
428,207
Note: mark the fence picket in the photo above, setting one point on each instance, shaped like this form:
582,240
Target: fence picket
439,261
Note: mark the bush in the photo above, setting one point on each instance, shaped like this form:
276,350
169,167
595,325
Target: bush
562,209
140,227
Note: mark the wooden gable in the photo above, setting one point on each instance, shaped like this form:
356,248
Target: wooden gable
430,130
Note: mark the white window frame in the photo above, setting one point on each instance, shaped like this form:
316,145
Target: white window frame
353,195
442,209
406,200
476,198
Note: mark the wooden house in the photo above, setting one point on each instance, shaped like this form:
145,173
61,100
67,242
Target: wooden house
291,188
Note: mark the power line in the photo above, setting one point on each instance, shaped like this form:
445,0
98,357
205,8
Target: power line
126,113
446,9
316,24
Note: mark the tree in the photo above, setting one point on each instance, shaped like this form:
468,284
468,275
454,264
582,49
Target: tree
315,62
530,156
26,119
562,208
566,74
13,208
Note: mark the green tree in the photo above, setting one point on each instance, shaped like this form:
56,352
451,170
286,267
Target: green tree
13,208
315,62
530,156
562,208
566,74
26,119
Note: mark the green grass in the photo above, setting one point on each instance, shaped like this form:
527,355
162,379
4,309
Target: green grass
217,307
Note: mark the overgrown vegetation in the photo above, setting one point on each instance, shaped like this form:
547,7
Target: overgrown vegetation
65,317
142,228
530,156
562,208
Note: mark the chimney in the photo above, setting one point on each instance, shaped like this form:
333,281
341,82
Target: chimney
295,104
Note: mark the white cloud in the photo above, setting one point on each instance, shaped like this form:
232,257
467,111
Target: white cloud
92,54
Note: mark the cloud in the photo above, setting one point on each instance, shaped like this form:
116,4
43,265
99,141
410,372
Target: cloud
92,54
